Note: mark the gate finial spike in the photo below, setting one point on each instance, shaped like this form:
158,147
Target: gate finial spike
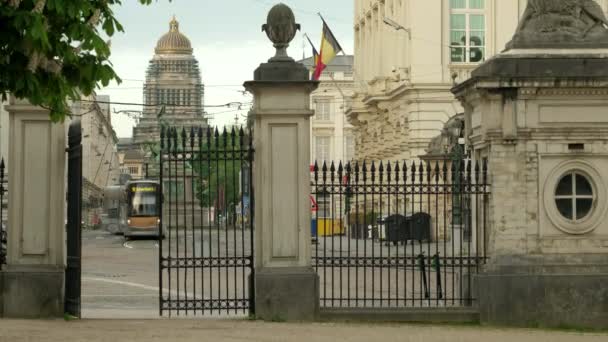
200,136
175,141
225,137
192,137
436,171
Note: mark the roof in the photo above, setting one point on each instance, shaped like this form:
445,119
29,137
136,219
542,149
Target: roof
134,154
125,142
174,42
340,63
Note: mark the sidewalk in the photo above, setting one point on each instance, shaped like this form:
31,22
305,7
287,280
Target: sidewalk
234,330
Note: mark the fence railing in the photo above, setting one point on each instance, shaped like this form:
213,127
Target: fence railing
3,218
206,260
398,234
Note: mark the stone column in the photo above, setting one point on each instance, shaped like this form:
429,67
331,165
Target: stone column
34,276
286,286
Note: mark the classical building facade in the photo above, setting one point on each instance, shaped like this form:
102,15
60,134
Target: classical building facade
332,137
408,54
173,91
100,167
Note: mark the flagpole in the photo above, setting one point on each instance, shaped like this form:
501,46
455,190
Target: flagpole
323,19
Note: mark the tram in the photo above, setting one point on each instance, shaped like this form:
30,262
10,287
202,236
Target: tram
143,209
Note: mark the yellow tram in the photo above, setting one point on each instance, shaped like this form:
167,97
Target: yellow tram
143,199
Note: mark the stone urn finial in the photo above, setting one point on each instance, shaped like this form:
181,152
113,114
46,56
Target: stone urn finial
281,28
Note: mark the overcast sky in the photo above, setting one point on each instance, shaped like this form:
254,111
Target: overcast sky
227,40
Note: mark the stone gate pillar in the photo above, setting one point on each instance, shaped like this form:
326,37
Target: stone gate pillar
286,286
538,113
33,279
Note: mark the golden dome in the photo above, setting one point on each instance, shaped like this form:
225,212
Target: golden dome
173,42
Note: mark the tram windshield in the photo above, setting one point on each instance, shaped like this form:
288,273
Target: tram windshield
143,200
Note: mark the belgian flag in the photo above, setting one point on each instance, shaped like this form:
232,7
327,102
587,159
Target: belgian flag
329,50
315,53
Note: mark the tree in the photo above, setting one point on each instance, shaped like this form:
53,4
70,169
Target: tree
220,171
52,51
218,166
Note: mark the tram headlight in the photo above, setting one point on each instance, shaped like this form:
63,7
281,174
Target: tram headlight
129,221
158,221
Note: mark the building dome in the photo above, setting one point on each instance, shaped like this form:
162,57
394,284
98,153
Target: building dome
173,42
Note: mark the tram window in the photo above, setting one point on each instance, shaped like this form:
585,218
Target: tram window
143,204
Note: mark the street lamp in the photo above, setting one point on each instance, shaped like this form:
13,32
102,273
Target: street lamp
397,26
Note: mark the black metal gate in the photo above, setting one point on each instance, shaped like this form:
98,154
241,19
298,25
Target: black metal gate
206,260
3,228
399,234
74,226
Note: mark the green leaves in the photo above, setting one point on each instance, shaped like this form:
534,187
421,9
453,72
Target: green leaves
56,54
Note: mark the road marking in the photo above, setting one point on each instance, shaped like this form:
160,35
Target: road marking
126,245
114,295
125,283
137,285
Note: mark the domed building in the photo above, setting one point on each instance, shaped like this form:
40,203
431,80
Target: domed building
173,81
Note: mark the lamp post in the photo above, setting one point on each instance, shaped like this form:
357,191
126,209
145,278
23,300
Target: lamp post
397,26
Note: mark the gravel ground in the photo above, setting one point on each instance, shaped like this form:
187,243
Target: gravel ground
232,330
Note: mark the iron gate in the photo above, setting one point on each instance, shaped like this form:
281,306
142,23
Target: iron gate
206,259
73,281
399,234
3,218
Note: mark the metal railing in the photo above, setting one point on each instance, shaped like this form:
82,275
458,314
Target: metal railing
3,226
398,234
206,260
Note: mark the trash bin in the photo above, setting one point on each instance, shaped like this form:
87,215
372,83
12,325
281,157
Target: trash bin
420,227
396,229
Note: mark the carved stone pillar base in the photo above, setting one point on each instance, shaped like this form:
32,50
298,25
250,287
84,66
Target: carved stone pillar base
32,292
287,294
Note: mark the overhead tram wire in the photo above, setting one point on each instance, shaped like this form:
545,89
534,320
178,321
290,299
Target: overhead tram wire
168,105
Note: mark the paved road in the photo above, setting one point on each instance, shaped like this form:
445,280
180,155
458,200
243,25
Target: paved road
119,276
122,277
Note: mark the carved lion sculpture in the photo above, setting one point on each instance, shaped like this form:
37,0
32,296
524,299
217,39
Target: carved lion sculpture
547,22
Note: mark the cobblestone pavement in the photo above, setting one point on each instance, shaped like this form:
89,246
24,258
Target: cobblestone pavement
238,331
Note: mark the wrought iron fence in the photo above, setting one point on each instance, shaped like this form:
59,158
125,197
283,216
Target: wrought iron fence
3,205
207,214
398,234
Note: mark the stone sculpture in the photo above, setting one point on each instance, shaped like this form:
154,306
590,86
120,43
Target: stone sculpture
281,28
561,23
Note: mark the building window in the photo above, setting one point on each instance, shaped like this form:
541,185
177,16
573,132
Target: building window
467,31
349,148
574,196
323,110
133,170
322,148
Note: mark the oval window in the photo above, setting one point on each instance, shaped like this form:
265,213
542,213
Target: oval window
574,196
